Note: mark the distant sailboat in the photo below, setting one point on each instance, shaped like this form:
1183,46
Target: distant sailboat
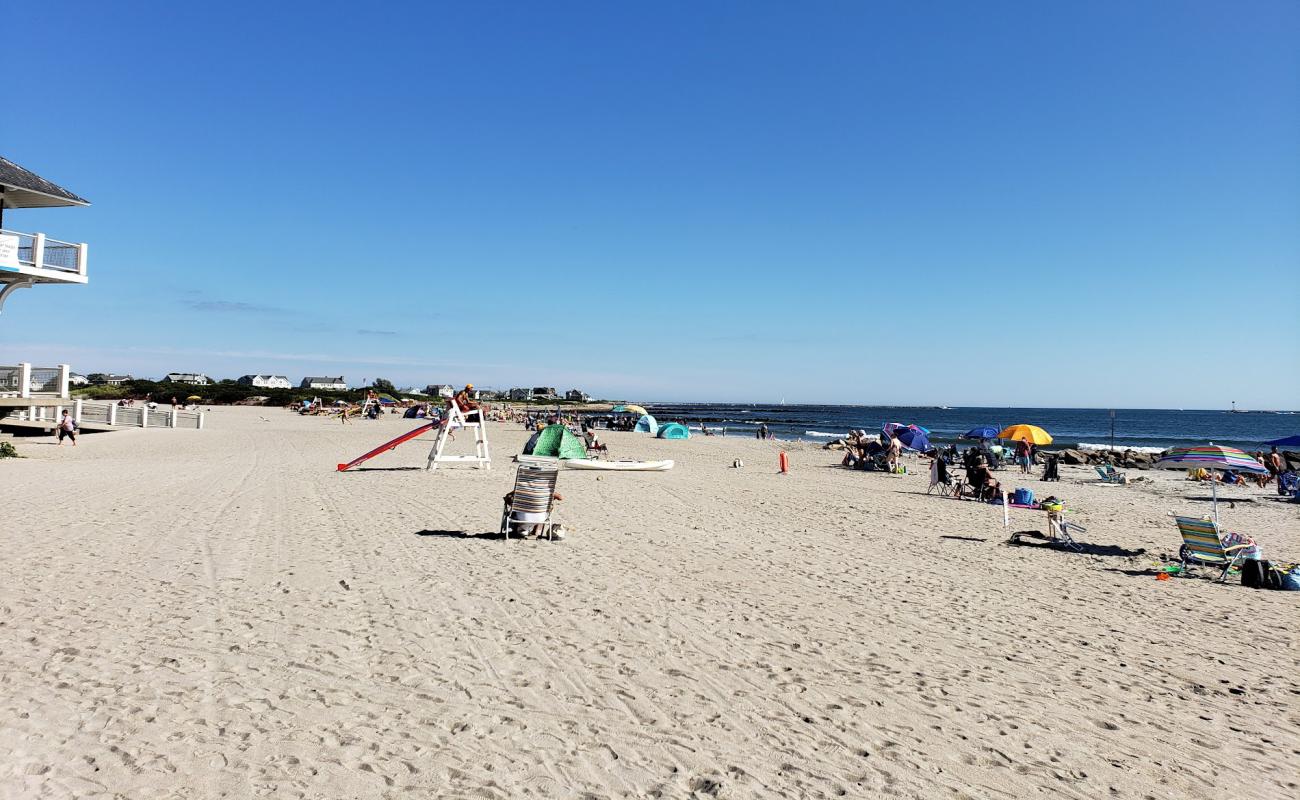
1235,410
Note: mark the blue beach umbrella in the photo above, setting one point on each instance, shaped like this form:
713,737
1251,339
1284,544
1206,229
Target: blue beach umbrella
914,438
1285,441
982,432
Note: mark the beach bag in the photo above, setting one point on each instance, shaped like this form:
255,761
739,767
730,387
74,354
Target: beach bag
1023,497
1259,574
1289,579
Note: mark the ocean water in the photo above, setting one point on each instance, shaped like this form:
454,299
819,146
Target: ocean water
1087,428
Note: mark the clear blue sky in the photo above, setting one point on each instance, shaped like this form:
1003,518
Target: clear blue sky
1089,204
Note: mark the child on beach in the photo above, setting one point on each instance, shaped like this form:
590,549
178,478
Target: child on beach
67,427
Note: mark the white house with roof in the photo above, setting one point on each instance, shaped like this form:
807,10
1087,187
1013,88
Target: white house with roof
109,379
192,378
324,384
76,379
267,381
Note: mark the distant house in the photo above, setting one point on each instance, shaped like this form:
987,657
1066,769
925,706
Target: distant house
108,379
545,393
193,378
520,394
75,379
577,396
325,384
266,381
439,390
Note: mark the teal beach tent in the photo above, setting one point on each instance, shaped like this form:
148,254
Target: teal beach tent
648,425
674,430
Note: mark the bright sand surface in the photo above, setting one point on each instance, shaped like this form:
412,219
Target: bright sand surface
219,613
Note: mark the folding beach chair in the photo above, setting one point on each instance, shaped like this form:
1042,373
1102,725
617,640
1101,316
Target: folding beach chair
532,499
939,477
1109,474
1061,529
1288,483
1203,544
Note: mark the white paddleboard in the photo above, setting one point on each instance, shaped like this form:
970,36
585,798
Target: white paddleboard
618,466
591,463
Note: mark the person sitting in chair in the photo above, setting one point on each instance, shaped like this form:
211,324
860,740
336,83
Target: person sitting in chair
467,405
983,485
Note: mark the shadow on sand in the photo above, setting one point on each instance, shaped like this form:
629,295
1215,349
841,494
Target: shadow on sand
1036,539
460,534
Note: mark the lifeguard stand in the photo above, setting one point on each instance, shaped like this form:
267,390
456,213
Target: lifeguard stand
455,418
27,259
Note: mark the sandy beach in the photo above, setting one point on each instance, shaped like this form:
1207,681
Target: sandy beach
218,613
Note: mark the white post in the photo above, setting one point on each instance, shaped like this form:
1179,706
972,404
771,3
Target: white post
38,250
58,413
65,373
200,420
81,258
112,413
25,379
173,420
144,416
76,410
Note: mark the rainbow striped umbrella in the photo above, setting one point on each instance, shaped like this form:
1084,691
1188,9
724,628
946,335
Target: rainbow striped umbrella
1211,457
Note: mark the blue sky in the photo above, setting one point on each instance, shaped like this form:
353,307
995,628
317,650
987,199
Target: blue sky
942,203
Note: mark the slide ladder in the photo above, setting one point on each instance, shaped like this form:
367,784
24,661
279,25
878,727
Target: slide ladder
452,419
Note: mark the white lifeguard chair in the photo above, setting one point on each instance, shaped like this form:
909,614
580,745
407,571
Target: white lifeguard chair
452,419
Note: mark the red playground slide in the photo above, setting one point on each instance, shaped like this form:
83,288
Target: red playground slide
386,446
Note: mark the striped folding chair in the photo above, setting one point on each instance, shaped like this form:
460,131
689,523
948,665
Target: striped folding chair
1203,544
532,499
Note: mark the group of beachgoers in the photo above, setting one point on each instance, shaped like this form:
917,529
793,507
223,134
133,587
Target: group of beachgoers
883,451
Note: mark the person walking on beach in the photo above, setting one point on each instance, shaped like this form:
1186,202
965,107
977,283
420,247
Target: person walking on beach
762,430
892,453
1022,455
67,427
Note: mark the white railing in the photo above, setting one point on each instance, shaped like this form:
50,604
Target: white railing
37,251
107,414
24,380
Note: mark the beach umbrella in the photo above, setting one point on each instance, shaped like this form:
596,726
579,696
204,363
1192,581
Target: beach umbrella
890,427
1211,457
194,397
1285,441
982,432
914,438
1027,433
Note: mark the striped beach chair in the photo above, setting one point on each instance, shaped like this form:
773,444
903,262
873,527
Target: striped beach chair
1203,544
532,499
1109,474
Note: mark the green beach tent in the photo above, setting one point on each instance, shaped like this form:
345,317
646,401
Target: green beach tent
557,441
674,430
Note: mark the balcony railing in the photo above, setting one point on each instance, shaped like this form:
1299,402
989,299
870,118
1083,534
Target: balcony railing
24,380
36,251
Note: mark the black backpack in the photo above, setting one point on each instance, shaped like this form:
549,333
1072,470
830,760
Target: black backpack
1258,574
